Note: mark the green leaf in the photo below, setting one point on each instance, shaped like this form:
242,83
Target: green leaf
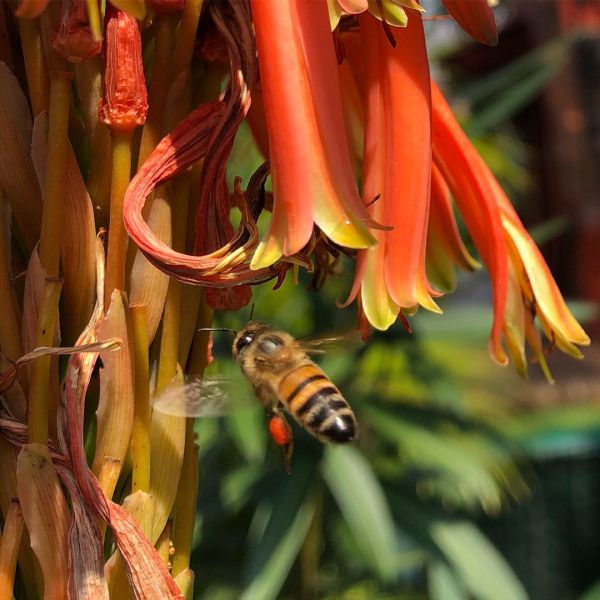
272,557
459,471
505,92
363,504
592,593
442,583
482,568
474,561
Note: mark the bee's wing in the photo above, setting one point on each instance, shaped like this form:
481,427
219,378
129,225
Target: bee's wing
197,398
321,345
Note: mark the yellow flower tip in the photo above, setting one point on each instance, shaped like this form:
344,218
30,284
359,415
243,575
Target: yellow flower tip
497,352
348,234
381,311
424,298
267,254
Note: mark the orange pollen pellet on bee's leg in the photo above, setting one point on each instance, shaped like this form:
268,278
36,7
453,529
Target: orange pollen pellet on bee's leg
280,431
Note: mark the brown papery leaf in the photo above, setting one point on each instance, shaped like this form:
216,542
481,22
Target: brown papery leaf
17,176
78,236
110,344
9,547
86,556
167,443
115,408
140,505
185,583
147,572
46,515
148,285
8,491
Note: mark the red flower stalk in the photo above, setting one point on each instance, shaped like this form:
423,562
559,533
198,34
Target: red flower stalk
310,162
74,39
476,17
397,171
124,103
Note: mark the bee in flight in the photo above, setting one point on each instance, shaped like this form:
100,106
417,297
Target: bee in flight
285,380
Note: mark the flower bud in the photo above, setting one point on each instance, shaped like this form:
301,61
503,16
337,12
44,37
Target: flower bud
124,102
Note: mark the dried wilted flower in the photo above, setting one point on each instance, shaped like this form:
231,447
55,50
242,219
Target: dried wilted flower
74,39
124,100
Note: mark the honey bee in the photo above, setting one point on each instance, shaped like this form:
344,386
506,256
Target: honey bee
284,379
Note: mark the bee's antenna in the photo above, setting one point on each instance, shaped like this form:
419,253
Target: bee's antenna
217,329
252,311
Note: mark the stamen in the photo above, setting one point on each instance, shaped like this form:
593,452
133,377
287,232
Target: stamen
370,202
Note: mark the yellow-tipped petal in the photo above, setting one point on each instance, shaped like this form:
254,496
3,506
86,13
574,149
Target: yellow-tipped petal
550,301
514,323
379,308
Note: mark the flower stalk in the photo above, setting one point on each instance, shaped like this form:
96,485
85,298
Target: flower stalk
35,65
140,437
123,108
49,252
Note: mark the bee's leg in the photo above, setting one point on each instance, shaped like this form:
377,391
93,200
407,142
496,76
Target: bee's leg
282,435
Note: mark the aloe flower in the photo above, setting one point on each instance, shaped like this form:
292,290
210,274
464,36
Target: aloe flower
397,170
311,169
522,284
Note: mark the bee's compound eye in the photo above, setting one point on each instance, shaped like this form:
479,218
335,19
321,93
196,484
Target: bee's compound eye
268,344
245,340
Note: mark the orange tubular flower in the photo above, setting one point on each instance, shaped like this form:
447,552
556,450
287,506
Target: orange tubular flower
310,162
397,167
476,17
445,248
522,283
461,166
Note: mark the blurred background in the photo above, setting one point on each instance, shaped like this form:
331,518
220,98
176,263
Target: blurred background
467,481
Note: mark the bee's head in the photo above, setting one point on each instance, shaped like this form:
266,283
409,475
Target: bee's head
245,337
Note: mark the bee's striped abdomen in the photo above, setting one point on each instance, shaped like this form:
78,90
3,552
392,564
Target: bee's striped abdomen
312,399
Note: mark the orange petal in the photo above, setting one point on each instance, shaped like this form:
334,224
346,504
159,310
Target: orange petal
514,322
407,104
462,168
445,248
476,17
377,306
548,298
311,170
